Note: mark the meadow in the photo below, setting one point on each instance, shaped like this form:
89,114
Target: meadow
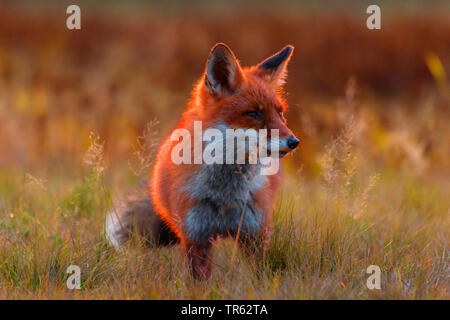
82,113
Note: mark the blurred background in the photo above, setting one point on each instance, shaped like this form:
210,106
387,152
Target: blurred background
136,61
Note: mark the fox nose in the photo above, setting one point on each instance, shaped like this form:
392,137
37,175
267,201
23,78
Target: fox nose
292,142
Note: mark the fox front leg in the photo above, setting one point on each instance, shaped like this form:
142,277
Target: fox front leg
199,259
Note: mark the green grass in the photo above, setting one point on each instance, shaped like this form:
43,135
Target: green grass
324,239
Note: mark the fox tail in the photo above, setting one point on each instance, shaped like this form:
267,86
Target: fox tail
134,213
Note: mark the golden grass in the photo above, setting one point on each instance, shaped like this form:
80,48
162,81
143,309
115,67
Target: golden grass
325,237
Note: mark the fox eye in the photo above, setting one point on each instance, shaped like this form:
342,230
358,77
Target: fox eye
255,115
282,116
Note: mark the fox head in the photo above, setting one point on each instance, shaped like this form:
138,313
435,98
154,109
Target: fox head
248,98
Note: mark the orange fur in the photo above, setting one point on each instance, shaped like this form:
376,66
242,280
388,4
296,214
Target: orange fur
250,88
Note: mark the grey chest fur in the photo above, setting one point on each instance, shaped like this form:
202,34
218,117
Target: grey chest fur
224,192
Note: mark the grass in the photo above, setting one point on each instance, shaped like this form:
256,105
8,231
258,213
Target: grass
324,239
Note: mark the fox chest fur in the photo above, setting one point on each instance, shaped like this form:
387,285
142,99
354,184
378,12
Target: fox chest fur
224,195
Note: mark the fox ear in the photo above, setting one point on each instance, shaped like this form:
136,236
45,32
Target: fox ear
274,68
223,74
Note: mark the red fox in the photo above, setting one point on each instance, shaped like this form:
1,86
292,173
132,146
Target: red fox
195,204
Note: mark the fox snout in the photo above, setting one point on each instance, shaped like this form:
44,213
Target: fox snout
292,142
282,146
287,145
